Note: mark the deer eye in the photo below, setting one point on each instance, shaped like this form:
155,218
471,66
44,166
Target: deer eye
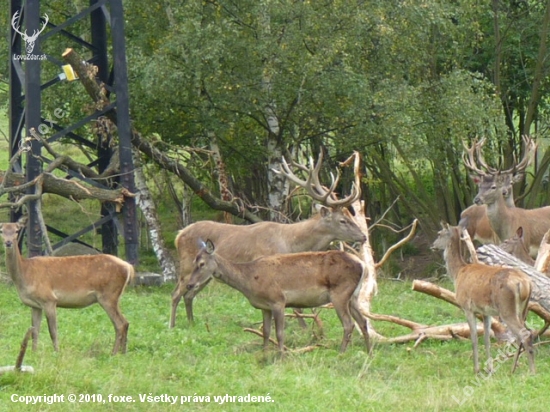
343,221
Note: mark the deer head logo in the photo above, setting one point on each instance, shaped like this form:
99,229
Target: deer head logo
30,40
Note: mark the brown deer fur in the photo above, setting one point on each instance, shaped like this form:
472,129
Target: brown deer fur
302,280
244,243
487,291
506,220
516,247
45,283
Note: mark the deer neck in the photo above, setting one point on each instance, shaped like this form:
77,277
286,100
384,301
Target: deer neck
14,264
310,235
500,216
453,259
232,274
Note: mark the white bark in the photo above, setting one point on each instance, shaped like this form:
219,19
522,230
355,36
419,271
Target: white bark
369,286
147,206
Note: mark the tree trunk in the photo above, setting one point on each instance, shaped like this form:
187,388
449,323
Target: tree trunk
147,206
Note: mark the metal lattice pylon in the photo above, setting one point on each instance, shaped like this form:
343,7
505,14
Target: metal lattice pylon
105,17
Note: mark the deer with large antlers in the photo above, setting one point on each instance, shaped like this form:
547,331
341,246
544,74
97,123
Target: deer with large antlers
46,282
474,218
29,40
245,243
303,280
487,291
506,220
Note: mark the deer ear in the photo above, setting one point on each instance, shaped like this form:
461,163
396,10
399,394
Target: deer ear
519,232
209,247
323,210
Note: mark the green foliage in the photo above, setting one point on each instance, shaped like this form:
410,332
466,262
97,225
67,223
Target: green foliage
215,357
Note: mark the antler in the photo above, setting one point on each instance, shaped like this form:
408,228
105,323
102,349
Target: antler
530,148
313,184
469,158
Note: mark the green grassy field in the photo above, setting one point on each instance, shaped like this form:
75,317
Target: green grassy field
216,358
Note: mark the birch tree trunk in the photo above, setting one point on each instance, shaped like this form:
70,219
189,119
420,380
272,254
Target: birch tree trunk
147,206
278,186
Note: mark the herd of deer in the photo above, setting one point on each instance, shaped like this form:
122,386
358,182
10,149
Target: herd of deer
278,265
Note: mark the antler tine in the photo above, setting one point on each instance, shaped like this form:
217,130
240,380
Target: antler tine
468,157
287,172
481,158
530,148
356,186
313,184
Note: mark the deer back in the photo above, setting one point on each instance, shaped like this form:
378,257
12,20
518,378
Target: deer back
245,243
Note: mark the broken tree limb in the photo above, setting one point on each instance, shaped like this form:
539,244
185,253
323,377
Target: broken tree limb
86,73
62,187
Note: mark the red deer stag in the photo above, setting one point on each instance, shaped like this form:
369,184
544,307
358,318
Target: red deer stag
298,280
487,291
245,243
474,218
505,220
45,283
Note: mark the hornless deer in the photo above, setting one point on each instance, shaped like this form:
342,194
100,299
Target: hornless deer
45,283
299,280
487,291
506,220
245,243
474,218
516,247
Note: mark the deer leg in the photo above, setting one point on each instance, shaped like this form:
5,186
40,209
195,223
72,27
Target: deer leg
51,318
120,324
341,306
279,316
176,297
361,322
301,320
188,297
487,341
471,318
525,341
266,327
36,314
528,345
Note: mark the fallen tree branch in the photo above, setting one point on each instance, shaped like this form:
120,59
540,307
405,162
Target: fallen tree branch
96,91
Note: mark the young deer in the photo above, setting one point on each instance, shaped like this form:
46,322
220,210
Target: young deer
487,291
45,283
242,243
300,280
516,247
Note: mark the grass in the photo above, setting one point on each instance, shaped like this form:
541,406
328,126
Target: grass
215,357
